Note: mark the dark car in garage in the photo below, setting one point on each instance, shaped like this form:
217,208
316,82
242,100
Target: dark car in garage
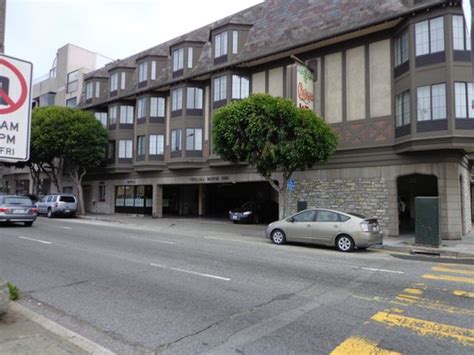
255,212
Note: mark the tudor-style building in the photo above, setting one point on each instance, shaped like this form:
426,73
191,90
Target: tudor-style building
392,77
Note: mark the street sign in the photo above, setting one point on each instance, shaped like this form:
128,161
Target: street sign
15,108
291,185
467,10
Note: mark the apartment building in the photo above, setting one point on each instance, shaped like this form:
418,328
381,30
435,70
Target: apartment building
61,86
392,77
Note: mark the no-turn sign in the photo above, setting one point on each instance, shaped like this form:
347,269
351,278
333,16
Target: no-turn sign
15,108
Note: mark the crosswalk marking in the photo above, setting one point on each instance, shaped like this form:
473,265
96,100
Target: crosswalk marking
356,345
434,305
460,293
414,291
456,271
424,327
449,278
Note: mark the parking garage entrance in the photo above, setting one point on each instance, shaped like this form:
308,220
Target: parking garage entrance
409,187
214,200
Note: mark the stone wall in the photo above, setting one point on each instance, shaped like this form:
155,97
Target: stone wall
466,200
363,195
4,296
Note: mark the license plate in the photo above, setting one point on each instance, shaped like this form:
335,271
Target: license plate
234,218
19,211
67,211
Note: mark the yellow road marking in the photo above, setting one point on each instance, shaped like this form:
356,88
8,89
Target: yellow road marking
360,346
423,327
413,291
468,280
463,293
434,305
456,271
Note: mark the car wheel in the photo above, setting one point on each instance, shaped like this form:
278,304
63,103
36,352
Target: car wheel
50,213
344,243
278,237
28,224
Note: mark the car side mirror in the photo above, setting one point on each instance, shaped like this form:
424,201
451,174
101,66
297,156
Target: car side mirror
291,219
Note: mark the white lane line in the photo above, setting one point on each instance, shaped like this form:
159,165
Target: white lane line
34,240
381,270
68,228
191,272
154,240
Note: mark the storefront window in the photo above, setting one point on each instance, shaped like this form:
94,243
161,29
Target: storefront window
129,199
140,196
120,196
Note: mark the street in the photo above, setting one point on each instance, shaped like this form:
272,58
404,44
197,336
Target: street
143,291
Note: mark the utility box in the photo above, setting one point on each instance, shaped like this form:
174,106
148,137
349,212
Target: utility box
427,221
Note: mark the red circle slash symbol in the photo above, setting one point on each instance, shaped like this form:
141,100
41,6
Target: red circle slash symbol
12,105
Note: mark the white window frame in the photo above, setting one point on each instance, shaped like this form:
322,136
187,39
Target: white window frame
235,42
402,109
401,49
193,139
101,117
177,99
220,88
157,106
153,70
114,82
240,87
461,38
428,38
463,98
89,90
194,98
428,108
220,44
126,114
113,113
123,78
141,107
125,149
176,141
141,145
97,89
156,144
190,57
142,72
178,59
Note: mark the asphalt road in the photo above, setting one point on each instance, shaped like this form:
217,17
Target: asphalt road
138,291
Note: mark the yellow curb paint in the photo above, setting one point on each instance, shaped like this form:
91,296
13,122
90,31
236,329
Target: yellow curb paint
455,271
435,305
360,346
413,291
467,280
424,328
463,293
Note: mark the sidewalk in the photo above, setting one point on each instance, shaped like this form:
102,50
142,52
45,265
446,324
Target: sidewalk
205,226
25,332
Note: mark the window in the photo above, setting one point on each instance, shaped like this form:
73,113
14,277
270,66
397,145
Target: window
429,36
97,89
464,96
101,117
402,109
72,82
175,140
142,72
157,107
240,87
110,150
190,57
401,49
72,102
176,99
431,102
305,216
178,59
125,149
461,39
141,107
157,146
194,98
140,145
193,139
153,70
122,80
327,216
235,42
113,114
220,45
126,114
114,82
102,193
220,88
89,89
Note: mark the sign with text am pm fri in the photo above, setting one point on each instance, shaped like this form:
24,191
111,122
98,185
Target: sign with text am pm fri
15,109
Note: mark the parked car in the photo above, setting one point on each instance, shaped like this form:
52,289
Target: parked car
58,205
255,212
17,209
345,231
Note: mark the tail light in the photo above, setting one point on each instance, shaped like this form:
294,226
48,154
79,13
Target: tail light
34,210
3,209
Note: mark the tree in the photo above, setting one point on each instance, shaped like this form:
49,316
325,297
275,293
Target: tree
273,135
67,141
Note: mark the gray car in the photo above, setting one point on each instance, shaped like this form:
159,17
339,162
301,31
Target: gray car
17,209
345,231
58,205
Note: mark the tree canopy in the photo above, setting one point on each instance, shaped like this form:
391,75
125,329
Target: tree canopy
273,135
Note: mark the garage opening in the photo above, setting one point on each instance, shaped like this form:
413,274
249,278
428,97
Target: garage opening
409,187
181,200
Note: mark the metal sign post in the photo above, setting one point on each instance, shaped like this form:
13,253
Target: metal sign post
15,108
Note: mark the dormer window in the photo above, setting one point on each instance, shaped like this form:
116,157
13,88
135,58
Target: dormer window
178,59
235,42
153,70
114,82
142,72
122,80
89,90
220,45
190,57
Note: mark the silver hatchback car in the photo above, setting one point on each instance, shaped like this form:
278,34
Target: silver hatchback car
17,209
57,204
327,227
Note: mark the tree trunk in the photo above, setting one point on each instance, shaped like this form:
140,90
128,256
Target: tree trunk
76,177
55,170
282,194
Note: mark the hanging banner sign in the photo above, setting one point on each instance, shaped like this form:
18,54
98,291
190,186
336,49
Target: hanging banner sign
304,87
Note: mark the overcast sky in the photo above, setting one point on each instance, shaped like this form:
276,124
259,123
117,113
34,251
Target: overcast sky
35,29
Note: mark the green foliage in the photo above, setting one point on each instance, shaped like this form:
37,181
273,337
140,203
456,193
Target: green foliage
14,291
62,132
272,134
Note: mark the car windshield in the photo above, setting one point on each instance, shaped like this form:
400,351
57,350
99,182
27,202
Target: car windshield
69,199
21,201
248,205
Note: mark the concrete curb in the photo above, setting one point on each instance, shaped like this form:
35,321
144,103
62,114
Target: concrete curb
83,343
411,249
